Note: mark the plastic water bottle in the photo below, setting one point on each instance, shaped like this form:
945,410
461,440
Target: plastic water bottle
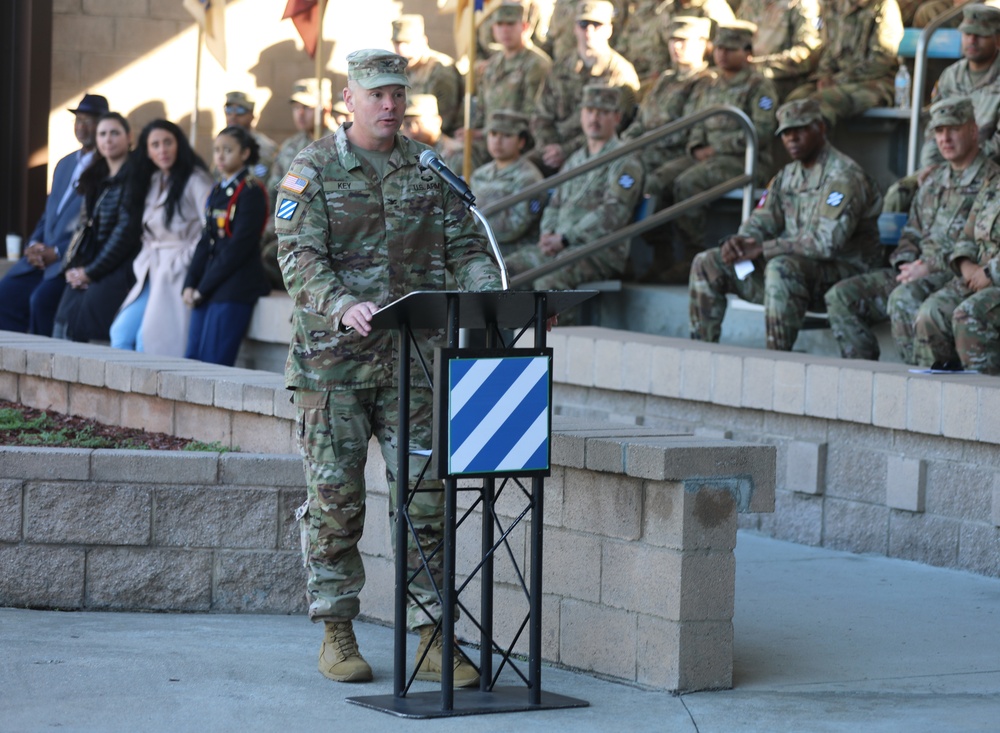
903,87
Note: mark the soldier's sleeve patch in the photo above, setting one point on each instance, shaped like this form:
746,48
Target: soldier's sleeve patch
260,170
766,103
286,209
836,198
762,200
295,184
535,206
626,181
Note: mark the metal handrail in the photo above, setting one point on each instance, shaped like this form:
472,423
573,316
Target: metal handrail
919,80
569,256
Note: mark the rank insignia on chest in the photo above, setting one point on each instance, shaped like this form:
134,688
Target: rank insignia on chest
626,181
835,198
286,209
293,183
766,103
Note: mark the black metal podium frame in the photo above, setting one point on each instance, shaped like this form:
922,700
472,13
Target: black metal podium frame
515,311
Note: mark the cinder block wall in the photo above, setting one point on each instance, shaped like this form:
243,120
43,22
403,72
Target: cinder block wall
871,458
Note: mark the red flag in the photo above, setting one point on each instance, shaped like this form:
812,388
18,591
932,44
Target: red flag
305,16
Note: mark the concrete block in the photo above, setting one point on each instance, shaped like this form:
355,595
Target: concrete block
261,469
924,539
572,565
602,504
855,527
38,363
759,383
66,367
696,375
87,514
822,390
262,434
167,9
116,8
658,650
580,360
706,656
34,576
598,639
10,510
805,467
44,394
957,419
138,35
152,414
665,371
959,490
789,392
259,582
708,586
905,483
609,363
855,472
552,497
606,455
988,418
377,539
199,390
636,367
259,398
118,375
638,578
153,579
8,387
91,370
204,517
995,503
855,395
229,394
796,518
923,404
569,450
377,595
207,424
979,549
727,379
63,464
155,467
283,406
289,501
171,386
96,403
13,359
558,342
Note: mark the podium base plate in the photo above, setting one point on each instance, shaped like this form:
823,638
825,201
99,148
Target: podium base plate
466,702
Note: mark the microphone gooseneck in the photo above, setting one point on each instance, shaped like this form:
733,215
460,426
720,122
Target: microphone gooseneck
429,159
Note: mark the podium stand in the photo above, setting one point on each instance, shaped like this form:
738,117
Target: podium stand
494,311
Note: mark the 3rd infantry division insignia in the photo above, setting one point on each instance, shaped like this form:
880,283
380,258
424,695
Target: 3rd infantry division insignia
626,181
835,198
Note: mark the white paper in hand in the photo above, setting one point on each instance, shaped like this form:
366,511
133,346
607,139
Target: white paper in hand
743,268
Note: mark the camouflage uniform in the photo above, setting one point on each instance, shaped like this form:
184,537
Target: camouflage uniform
510,83
786,46
817,225
936,222
955,323
347,237
860,40
583,210
436,74
719,12
642,41
560,42
516,226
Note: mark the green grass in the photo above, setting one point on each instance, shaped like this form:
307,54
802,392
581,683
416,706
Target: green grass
215,447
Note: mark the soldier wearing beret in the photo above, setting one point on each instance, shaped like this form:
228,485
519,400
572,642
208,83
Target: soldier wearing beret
816,225
239,111
589,206
429,71
509,172
360,224
920,263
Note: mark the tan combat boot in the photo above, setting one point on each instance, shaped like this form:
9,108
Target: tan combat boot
465,674
339,658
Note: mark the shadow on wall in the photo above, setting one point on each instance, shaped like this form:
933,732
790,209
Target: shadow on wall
277,69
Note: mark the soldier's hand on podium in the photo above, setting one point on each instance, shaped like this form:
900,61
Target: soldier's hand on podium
359,317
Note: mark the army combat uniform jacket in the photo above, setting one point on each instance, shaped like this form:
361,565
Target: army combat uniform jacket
510,83
346,237
984,91
518,224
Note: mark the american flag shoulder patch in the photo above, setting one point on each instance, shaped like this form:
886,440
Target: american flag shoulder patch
294,183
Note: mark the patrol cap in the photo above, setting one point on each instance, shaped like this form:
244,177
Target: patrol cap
596,11
408,28
601,96
508,122
373,67
306,92
419,105
689,27
980,20
91,104
952,111
509,13
340,108
240,99
736,34
800,113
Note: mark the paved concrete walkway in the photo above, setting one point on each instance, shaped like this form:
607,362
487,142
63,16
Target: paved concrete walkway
824,641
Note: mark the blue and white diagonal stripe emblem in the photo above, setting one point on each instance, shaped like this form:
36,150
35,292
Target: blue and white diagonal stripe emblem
286,209
498,414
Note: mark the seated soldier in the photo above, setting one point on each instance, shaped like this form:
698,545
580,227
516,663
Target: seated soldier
816,225
421,122
716,147
509,172
857,63
428,71
975,76
786,46
920,262
589,206
556,120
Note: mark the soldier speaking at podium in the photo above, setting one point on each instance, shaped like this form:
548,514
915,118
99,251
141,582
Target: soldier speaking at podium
360,223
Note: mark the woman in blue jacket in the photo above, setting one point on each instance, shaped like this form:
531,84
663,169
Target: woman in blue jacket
226,276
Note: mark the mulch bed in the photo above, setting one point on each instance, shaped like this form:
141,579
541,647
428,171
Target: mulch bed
65,431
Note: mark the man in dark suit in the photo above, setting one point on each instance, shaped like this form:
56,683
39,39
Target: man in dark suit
30,292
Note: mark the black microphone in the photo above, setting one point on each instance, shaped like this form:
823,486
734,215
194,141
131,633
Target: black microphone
429,159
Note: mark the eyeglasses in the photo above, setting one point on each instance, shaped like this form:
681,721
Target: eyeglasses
236,109
584,23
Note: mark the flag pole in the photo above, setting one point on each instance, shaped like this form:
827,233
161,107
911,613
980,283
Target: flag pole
470,84
318,112
197,86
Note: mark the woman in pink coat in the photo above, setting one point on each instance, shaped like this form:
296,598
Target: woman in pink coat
170,188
